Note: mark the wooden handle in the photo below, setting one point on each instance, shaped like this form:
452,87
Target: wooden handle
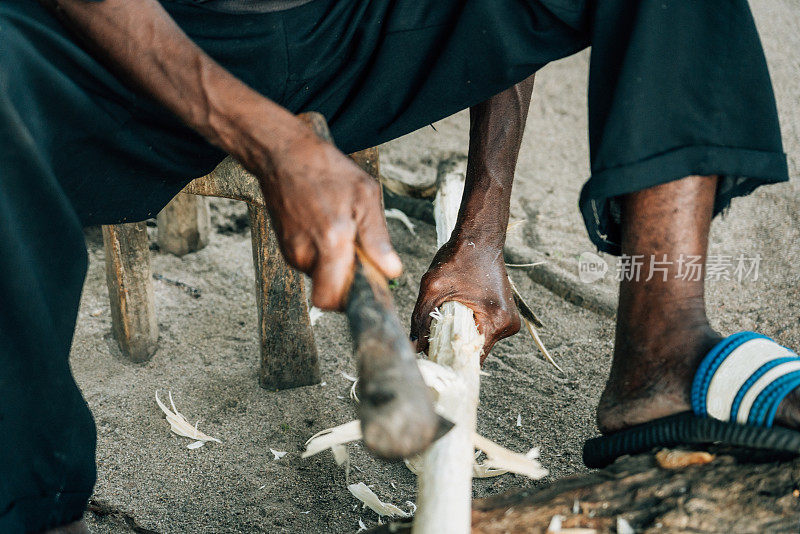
396,408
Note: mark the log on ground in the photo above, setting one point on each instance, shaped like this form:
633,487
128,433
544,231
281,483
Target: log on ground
737,492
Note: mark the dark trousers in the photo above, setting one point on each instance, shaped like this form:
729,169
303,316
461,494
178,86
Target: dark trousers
677,87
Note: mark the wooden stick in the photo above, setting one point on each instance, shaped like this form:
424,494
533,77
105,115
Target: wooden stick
184,224
130,289
396,408
445,484
288,350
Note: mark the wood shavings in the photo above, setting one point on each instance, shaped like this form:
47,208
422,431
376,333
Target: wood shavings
277,454
340,454
314,314
518,265
396,214
180,426
519,419
499,462
195,445
677,459
524,309
538,341
361,492
555,524
349,377
361,525
501,458
330,437
354,392
623,527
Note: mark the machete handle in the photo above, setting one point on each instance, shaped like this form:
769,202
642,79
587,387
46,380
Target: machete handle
396,408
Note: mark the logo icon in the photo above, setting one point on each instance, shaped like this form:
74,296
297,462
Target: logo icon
591,267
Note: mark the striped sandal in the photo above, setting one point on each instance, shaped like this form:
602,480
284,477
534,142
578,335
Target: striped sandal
736,392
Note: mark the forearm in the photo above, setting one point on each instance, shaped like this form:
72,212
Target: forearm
496,129
140,41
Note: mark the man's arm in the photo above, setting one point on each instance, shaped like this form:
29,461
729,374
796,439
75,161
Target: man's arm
321,203
470,268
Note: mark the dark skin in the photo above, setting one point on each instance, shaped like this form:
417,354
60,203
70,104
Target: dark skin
475,250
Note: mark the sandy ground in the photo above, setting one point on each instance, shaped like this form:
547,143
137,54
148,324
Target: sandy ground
208,350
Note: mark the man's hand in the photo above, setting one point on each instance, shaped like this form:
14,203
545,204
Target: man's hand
322,205
469,269
475,276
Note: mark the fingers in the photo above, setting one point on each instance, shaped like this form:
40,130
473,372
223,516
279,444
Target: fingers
421,323
433,291
333,271
504,323
373,235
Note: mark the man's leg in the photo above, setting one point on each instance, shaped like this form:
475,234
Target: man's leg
662,329
76,149
47,436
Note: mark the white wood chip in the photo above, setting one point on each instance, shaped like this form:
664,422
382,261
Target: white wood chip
354,392
519,419
349,377
340,454
555,524
361,492
179,425
623,527
277,454
195,445
361,525
395,213
330,437
501,458
314,314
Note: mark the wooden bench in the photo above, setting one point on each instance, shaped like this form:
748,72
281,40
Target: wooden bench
288,350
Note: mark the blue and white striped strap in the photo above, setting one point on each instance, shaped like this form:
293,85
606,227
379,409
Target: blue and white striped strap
744,378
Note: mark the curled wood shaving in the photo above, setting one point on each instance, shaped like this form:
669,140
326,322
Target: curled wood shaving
330,437
536,339
396,214
439,378
677,459
180,426
499,461
361,492
534,264
501,458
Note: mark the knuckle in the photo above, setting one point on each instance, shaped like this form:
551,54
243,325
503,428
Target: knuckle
334,236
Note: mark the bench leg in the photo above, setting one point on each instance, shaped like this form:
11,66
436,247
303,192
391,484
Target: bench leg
183,225
130,289
288,350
